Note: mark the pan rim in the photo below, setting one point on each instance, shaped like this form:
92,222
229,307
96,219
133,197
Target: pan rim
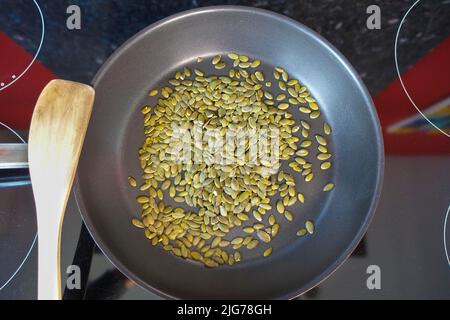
326,45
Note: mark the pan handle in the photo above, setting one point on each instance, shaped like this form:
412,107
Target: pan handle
14,164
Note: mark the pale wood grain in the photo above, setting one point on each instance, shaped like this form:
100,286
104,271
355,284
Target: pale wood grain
58,127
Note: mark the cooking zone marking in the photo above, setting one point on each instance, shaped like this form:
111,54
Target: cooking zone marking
17,77
400,77
35,237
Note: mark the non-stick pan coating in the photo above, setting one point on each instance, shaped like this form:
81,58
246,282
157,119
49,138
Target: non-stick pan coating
116,131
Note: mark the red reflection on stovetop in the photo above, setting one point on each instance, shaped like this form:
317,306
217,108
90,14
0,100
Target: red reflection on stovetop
17,101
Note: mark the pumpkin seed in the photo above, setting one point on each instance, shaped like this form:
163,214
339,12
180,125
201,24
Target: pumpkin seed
323,156
314,114
328,187
283,106
146,110
249,230
305,133
309,177
267,252
281,97
216,59
309,226
142,199
321,140
272,220
306,144
325,165
280,207
220,65
255,63
275,229
243,58
322,149
132,182
288,215
305,110
326,128
252,244
257,215
137,223
313,106
237,240
165,185
263,236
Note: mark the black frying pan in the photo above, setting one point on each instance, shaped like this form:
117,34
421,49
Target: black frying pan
115,134
148,60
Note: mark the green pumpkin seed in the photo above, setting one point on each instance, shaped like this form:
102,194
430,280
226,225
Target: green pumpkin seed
280,207
309,226
252,244
275,229
326,128
309,177
216,59
255,63
132,182
263,236
321,140
142,199
267,252
137,223
220,65
249,230
314,114
272,220
325,165
288,215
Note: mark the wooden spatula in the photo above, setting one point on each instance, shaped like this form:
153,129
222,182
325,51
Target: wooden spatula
58,127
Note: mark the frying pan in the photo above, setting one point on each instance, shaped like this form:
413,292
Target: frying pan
110,155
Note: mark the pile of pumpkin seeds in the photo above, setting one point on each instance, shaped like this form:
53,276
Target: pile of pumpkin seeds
228,197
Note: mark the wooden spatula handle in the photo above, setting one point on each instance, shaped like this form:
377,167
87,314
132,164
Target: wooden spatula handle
57,132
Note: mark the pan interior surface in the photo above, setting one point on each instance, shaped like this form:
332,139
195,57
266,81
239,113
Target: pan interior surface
110,155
